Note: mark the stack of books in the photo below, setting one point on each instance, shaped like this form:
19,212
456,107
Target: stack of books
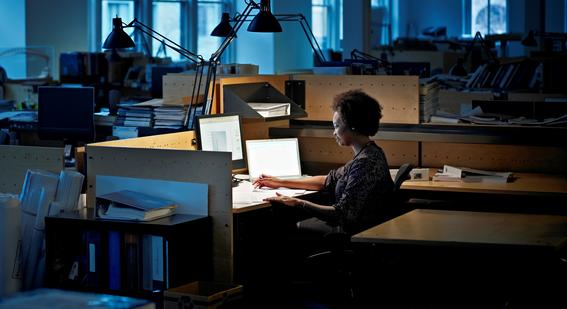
134,116
169,117
464,174
428,99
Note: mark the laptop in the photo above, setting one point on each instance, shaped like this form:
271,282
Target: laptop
274,157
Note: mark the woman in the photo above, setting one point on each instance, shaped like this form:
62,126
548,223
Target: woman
361,187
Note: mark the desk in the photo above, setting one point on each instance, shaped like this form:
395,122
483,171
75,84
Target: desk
523,184
495,255
462,228
263,239
246,198
528,192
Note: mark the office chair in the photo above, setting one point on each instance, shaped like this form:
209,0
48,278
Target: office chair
333,267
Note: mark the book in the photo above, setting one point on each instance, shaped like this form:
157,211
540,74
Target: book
268,110
134,206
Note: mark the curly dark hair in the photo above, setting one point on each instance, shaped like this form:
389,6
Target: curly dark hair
360,112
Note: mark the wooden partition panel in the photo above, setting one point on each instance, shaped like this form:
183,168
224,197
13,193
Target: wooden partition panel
211,168
16,160
259,129
326,151
398,95
515,158
179,140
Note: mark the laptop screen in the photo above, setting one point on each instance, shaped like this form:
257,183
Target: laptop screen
274,157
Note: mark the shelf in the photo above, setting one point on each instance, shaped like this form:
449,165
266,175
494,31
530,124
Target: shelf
473,134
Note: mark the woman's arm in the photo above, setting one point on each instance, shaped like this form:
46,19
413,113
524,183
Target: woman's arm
316,209
314,183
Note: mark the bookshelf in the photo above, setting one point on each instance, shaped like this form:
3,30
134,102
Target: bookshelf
138,259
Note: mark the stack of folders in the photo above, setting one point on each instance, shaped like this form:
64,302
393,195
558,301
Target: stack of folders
169,117
133,206
268,110
463,174
428,99
68,191
134,116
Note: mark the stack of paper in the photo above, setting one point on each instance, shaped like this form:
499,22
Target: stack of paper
68,191
268,110
464,174
37,194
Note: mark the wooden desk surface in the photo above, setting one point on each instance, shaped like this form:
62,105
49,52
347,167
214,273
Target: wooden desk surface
244,198
458,228
523,184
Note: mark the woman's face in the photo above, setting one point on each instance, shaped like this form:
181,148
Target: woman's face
341,133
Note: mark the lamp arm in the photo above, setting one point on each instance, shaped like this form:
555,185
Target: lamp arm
167,42
240,19
357,54
478,37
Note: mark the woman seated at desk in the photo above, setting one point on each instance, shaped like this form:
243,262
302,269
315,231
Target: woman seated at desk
361,187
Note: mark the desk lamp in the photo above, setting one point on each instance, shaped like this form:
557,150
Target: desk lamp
265,21
459,68
548,37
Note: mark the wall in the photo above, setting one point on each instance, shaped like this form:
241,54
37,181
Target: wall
12,34
58,23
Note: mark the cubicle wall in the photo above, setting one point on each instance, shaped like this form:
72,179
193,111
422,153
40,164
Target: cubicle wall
181,140
320,154
517,158
398,95
211,168
16,160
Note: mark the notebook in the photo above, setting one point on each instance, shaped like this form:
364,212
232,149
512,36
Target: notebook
274,157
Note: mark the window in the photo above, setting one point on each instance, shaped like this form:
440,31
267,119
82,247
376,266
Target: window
326,23
383,22
185,22
166,19
209,15
112,8
488,16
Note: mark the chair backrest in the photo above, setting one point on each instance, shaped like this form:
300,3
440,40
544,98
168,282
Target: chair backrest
402,175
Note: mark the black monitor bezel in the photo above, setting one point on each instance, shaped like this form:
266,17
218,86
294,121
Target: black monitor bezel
84,134
236,164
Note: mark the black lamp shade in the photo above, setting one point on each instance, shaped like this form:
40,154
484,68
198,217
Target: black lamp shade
117,37
265,21
529,40
223,28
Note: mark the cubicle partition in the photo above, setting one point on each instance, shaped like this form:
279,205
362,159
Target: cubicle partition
166,159
398,95
16,160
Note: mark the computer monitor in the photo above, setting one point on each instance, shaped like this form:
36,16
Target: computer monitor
274,157
66,113
222,132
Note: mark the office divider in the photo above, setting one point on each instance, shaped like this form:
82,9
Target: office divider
16,160
132,159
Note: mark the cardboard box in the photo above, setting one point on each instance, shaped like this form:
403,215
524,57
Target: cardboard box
201,294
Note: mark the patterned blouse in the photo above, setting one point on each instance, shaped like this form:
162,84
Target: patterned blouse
361,188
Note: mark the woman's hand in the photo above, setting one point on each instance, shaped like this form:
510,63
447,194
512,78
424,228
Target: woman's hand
286,200
267,181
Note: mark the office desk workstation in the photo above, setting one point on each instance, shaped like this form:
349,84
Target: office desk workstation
525,192
496,256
